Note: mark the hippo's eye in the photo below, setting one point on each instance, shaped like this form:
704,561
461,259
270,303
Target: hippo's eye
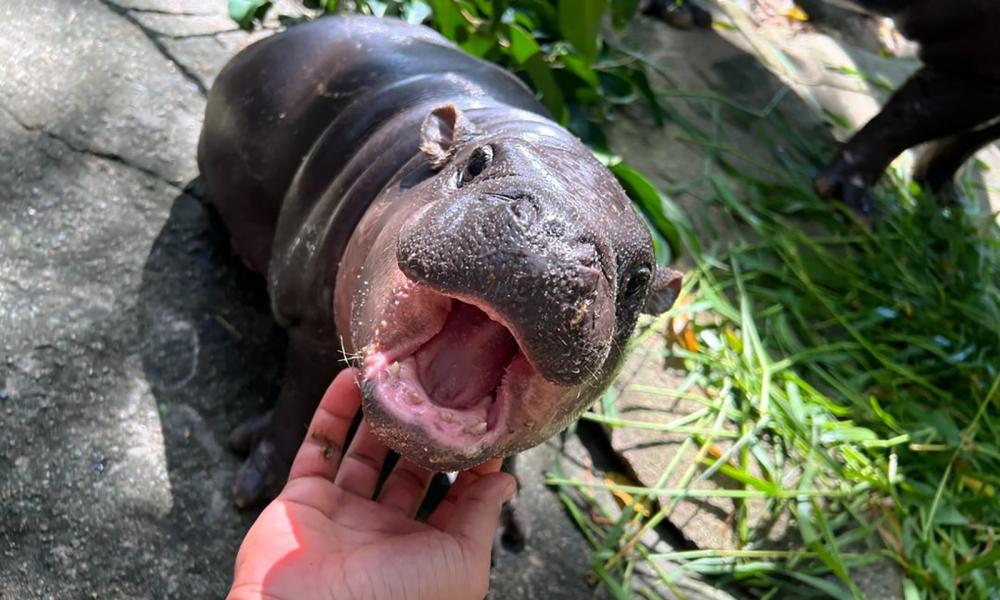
637,282
480,159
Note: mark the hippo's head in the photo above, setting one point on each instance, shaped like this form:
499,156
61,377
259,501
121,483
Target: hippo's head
496,297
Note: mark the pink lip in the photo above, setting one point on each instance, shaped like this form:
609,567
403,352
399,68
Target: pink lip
453,370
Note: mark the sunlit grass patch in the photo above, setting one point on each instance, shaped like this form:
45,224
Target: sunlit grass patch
862,364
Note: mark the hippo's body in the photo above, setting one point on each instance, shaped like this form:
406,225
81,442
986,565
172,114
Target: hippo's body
413,207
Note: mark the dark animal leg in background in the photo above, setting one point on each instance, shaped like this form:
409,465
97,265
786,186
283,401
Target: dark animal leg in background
932,104
515,522
940,160
272,440
682,14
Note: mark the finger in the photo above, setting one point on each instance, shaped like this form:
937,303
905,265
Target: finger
442,514
405,488
477,514
320,453
362,463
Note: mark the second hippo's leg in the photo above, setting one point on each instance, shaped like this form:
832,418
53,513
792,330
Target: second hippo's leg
941,159
932,104
515,520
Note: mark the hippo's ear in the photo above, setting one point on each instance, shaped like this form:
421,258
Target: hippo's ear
663,291
442,132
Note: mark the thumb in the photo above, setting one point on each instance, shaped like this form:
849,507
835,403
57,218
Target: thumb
477,513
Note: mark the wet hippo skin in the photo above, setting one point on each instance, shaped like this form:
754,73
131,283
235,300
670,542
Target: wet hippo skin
414,209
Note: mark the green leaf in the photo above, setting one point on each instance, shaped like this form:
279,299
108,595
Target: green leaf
947,514
641,83
580,25
542,11
985,560
650,201
416,12
478,45
446,17
848,434
498,10
941,568
543,80
826,586
522,45
945,426
740,475
377,7
526,52
581,70
608,402
617,89
245,12
585,129
622,12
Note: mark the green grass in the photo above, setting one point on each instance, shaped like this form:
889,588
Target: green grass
861,363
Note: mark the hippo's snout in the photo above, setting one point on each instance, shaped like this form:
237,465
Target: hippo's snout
529,265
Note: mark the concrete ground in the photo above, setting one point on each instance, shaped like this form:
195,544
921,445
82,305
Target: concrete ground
131,342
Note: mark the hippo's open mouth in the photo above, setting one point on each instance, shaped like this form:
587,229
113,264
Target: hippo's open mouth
445,367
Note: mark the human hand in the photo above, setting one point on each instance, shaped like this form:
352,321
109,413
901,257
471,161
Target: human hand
325,538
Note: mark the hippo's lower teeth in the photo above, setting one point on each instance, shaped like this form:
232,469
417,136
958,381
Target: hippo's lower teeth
477,428
473,450
414,398
448,416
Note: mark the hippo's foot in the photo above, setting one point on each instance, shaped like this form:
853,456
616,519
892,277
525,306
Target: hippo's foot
946,192
949,194
680,14
851,189
269,457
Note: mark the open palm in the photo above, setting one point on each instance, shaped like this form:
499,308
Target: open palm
324,537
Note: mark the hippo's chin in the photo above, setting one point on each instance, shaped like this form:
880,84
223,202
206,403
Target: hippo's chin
441,377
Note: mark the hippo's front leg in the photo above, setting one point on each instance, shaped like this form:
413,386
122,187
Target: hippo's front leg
515,519
271,441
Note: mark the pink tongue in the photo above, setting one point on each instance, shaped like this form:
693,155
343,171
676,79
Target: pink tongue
466,360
